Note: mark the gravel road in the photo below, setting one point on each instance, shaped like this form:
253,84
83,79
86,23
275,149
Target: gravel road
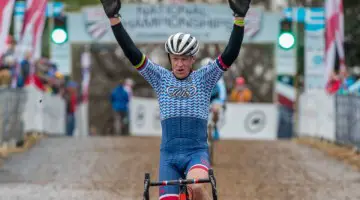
113,168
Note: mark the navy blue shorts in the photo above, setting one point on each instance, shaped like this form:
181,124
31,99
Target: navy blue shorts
174,167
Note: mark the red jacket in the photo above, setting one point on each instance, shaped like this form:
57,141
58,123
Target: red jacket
36,81
333,86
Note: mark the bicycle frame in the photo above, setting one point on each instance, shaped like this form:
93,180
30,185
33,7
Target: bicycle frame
182,184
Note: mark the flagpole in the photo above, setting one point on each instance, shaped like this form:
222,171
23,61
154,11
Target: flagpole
296,75
51,27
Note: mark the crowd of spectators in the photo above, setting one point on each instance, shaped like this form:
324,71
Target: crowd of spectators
42,73
345,82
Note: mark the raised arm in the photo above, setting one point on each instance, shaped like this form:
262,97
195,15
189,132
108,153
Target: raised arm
150,71
213,71
231,52
126,43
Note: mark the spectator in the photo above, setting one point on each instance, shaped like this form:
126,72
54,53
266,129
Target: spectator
119,101
241,93
6,71
333,84
128,86
24,70
71,99
10,51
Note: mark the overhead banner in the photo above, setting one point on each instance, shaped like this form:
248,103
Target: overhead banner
154,23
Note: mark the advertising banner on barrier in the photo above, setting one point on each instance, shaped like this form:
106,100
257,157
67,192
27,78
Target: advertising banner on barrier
44,112
242,121
250,121
144,117
317,115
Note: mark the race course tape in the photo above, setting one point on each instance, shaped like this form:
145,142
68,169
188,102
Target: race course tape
346,154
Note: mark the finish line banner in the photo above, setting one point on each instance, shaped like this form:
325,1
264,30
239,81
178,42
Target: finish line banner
154,23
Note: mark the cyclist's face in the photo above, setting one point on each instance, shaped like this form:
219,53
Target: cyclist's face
181,65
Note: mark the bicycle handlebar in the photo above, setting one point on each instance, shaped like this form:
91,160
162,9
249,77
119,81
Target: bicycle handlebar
179,182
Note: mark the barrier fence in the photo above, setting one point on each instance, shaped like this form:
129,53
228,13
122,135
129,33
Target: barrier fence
29,110
347,120
334,118
11,109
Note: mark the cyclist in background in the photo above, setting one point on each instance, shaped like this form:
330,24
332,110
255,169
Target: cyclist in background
217,105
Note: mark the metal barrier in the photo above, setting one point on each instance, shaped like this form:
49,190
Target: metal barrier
11,109
347,120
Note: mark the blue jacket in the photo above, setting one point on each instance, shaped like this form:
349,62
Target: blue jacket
119,99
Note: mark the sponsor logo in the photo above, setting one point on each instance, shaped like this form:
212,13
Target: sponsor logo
255,122
181,92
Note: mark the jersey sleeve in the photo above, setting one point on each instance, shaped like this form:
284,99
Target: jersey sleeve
152,72
212,72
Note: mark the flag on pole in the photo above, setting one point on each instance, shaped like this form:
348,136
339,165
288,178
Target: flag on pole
85,65
334,37
33,27
31,33
6,11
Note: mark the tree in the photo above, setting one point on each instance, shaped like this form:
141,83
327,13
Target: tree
352,32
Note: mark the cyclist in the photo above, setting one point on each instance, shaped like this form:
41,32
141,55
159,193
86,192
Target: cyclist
217,105
183,95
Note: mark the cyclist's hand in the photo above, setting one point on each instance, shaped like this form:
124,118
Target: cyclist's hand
111,7
240,7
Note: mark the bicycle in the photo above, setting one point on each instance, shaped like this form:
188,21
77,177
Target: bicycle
183,195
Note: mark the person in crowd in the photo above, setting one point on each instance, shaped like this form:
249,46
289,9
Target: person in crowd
128,86
334,83
10,49
7,61
119,101
24,70
71,98
240,93
6,71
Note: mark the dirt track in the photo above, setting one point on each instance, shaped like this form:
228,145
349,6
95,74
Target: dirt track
113,168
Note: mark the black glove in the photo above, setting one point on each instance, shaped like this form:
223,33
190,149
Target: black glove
111,8
240,7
